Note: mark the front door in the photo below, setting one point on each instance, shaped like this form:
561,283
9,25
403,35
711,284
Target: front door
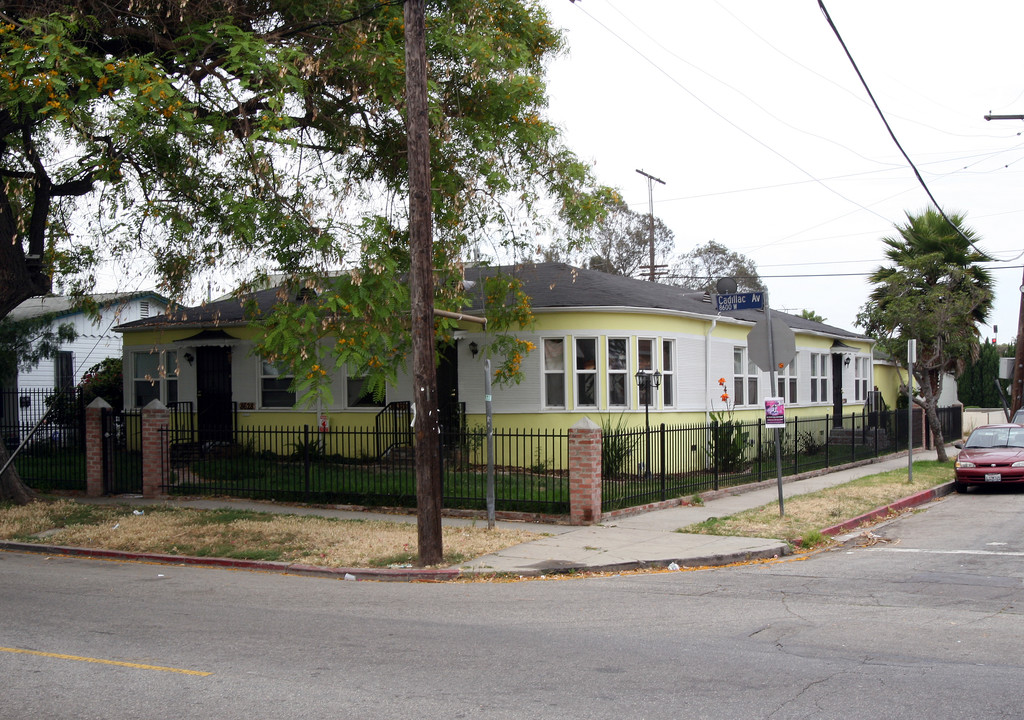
213,394
448,407
837,390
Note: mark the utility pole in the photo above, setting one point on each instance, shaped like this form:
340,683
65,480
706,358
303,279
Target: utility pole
421,284
650,201
1017,386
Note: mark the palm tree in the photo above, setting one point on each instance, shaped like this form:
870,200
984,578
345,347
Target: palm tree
951,253
936,292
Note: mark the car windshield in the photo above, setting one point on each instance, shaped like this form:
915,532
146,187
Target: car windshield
996,437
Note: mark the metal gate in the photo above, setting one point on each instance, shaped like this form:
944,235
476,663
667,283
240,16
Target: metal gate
122,452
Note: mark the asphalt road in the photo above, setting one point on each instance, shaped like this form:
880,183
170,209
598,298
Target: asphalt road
925,625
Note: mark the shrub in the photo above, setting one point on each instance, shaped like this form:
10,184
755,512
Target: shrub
616,447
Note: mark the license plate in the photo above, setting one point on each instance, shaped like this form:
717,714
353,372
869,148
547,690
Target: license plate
993,477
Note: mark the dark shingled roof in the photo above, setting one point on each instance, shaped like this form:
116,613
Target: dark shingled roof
557,285
549,285
223,313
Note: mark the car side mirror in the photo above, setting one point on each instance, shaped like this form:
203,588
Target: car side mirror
958,445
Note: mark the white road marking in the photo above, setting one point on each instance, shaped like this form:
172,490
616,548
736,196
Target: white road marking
944,552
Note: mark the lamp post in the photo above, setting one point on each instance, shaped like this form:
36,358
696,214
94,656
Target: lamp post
644,380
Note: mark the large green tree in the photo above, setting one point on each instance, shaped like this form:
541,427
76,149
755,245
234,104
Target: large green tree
247,136
978,384
705,265
934,291
621,244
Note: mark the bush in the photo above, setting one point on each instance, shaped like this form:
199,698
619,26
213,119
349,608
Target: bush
730,445
103,380
615,447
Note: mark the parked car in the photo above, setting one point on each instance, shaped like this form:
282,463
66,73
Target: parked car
992,454
1018,417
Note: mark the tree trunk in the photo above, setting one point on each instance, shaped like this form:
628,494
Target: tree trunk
12,489
930,387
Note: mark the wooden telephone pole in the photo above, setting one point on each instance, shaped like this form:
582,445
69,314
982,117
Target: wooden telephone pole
1017,386
650,201
421,285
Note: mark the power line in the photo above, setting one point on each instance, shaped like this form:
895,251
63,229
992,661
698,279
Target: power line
892,134
725,119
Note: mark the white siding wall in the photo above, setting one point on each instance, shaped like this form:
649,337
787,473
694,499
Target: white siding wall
96,341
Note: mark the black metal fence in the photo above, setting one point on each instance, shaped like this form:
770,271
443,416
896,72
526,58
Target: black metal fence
670,462
952,421
345,466
53,457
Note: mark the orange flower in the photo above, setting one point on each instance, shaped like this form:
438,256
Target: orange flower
721,381
725,397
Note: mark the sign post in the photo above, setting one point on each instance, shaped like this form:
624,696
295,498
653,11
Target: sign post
771,345
911,357
768,342
490,444
774,387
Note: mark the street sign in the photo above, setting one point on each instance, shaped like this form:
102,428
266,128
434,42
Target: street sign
739,301
782,338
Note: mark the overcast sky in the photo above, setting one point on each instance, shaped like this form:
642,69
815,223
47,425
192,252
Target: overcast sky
754,117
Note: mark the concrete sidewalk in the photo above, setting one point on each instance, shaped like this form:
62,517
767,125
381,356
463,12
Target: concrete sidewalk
651,539
644,540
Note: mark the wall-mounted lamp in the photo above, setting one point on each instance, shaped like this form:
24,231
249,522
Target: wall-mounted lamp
846,362
190,358
473,349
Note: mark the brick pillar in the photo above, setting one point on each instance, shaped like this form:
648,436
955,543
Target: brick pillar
584,473
155,419
94,447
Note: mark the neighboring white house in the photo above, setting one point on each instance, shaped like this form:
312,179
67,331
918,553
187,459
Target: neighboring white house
96,339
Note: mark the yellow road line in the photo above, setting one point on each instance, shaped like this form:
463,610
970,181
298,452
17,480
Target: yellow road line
137,666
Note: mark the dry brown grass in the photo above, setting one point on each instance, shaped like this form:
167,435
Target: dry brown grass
807,515
233,534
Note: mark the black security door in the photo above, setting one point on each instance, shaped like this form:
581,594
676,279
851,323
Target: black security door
448,388
213,394
837,390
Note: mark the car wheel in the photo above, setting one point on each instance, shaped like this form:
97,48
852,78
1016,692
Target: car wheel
960,487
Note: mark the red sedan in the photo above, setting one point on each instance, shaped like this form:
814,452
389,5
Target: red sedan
992,454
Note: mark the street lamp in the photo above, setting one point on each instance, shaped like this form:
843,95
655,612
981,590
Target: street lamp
644,380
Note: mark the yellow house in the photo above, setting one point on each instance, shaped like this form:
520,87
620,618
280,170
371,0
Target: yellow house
594,334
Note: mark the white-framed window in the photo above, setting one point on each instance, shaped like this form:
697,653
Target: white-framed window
744,378
645,362
618,372
586,372
275,386
786,381
668,348
554,372
861,368
154,377
819,376
358,396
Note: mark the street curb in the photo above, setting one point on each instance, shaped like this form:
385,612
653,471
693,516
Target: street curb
716,560
381,574
902,504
